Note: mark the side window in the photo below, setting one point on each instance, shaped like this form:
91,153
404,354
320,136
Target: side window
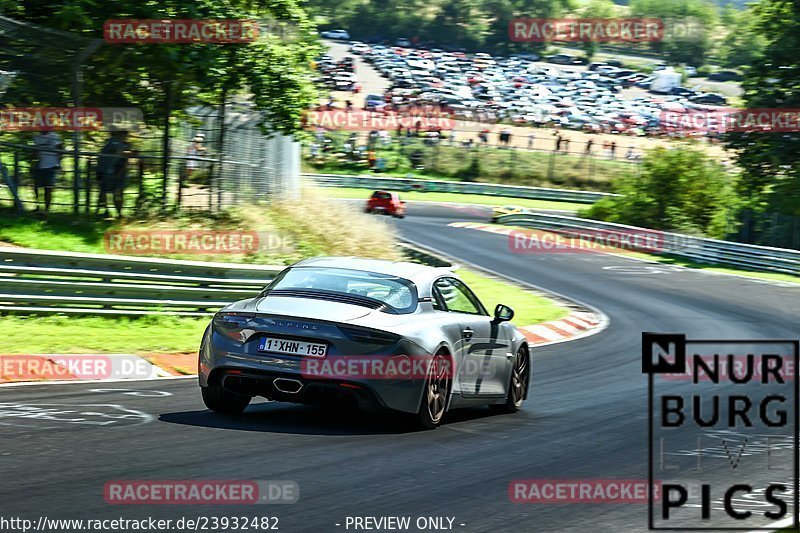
457,297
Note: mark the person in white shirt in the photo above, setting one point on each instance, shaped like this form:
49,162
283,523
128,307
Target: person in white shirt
196,149
48,152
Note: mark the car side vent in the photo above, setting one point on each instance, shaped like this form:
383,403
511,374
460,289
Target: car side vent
339,297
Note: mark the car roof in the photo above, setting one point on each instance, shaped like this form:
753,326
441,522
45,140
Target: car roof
420,274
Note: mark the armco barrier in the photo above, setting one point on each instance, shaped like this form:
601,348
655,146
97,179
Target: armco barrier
50,281
485,189
697,249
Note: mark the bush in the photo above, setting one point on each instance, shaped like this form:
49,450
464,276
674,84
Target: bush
678,190
704,71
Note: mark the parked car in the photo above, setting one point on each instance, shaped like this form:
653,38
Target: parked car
341,35
681,91
709,99
563,59
387,203
373,101
725,75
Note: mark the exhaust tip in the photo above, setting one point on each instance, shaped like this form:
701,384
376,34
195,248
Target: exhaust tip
287,386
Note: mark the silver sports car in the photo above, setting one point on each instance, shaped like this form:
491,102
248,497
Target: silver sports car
371,333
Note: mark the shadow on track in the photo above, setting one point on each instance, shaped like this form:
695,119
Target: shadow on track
312,420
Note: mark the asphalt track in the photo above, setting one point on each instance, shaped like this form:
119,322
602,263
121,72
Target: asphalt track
586,418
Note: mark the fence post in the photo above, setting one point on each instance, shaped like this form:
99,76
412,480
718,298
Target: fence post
181,182
16,169
140,198
88,183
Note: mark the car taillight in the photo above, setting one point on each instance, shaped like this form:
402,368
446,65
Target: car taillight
371,337
232,324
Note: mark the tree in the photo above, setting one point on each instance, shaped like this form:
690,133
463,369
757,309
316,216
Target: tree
744,43
596,9
161,78
687,24
771,161
678,189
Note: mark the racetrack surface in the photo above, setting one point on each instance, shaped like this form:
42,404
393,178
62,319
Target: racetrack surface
586,417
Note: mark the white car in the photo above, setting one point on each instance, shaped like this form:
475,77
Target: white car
336,34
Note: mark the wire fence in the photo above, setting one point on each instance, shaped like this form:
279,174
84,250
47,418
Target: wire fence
202,172
573,164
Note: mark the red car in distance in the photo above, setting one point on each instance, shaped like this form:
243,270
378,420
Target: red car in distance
386,202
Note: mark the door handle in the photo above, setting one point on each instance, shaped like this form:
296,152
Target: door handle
467,333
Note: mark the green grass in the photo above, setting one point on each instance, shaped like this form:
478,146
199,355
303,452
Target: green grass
67,334
168,334
672,260
418,196
486,163
284,237
529,308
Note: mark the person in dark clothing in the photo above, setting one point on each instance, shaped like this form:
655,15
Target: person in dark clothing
112,167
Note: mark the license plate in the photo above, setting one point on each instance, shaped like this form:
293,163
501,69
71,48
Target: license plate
290,347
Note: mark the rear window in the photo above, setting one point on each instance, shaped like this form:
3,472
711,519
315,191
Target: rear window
397,293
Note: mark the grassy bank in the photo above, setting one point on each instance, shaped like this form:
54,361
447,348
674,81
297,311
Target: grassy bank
286,231
488,164
166,334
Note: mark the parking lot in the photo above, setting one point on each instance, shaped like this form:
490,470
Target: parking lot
533,99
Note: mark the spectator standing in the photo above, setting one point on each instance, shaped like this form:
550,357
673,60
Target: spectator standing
558,143
195,150
505,137
589,145
531,140
112,167
48,152
613,149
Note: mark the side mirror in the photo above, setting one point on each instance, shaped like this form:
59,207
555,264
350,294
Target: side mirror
503,313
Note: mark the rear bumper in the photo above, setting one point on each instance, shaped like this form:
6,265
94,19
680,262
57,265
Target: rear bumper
255,375
297,389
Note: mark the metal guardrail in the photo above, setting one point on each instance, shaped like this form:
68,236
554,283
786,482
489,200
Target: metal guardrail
697,249
52,281
46,281
485,189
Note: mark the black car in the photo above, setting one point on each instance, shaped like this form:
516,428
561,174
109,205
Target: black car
564,59
681,91
725,75
709,99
